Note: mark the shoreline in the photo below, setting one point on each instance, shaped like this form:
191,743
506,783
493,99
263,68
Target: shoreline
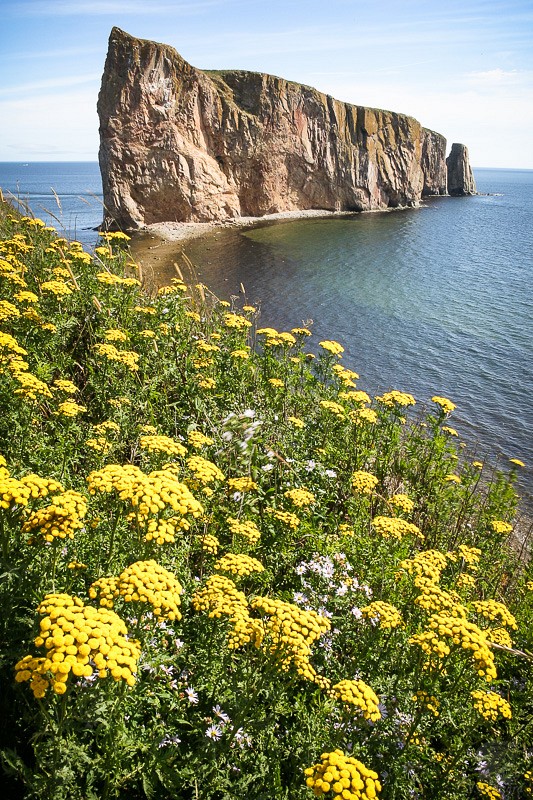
184,231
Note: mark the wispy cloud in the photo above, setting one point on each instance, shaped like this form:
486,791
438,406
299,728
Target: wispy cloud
498,77
49,83
60,52
113,7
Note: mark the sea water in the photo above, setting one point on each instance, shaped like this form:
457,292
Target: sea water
436,300
67,195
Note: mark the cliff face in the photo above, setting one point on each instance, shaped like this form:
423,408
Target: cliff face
460,176
177,143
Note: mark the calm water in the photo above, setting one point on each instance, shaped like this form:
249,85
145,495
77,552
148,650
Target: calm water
433,301
77,210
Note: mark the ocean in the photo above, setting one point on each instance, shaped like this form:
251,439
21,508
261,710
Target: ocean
435,300
67,195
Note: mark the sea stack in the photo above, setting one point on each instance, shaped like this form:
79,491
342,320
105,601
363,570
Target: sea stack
181,144
460,176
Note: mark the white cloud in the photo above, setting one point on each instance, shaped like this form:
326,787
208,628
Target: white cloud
496,77
49,83
50,126
114,7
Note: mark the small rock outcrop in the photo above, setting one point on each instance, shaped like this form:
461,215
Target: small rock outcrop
181,144
460,176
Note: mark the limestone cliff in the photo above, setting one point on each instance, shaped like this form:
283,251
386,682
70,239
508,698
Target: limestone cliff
460,176
181,144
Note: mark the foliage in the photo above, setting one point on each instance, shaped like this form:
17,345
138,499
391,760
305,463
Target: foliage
226,571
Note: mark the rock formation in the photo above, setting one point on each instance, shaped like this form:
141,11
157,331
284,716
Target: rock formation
181,144
460,177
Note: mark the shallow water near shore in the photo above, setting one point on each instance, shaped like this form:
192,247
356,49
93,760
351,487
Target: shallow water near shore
435,300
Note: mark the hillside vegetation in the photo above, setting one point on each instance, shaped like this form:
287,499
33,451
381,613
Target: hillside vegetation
228,572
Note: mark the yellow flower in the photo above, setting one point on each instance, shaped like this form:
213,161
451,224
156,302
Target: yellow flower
490,705
402,502
446,405
244,484
359,695
70,409
300,497
162,444
428,702
517,462
386,615
451,478
78,639
396,398
332,347
298,423
344,776
236,321
245,528
498,526
364,482
334,408
238,564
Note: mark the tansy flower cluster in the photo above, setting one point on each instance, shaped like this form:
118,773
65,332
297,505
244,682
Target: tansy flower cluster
344,776
334,408
197,439
286,517
300,497
238,564
426,563
402,502
126,357
236,321
360,696
384,614
460,633
70,409
494,610
245,528
434,599
490,705
147,494
21,492
143,582
428,702
446,405
499,636
499,526
396,398
332,347
244,484
78,639
364,482
273,338
470,555
162,444
486,790
291,632
220,597
203,470
109,279
65,386
209,543
60,519
362,416
395,528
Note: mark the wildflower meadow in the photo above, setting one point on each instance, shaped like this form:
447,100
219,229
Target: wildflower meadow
229,572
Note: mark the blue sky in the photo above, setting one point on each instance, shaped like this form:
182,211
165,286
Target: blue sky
462,68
